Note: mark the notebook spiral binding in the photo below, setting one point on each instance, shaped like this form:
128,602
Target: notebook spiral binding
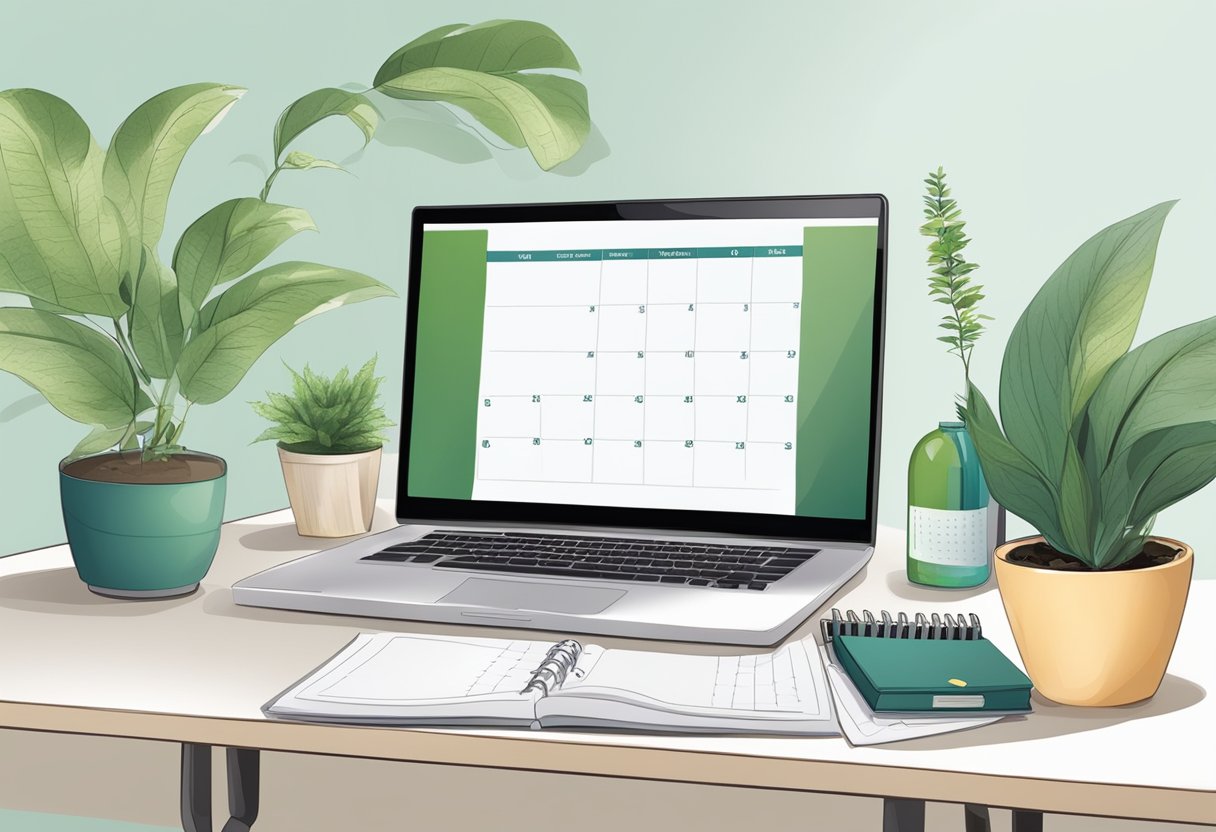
552,671
901,626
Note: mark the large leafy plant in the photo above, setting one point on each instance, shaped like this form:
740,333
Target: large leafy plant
327,415
127,341
1097,440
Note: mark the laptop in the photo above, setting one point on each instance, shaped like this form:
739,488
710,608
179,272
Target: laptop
651,419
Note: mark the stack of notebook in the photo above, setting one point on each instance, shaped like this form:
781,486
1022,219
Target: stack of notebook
896,677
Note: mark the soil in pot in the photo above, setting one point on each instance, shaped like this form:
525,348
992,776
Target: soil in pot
1043,556
129,467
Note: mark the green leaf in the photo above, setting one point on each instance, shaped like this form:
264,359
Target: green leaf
298,160
1179,475
156,319
1013,479
1075,328
1076,507
81,372
228,241
486,70
239,325
1170,380
148,148
62,241
99,439
1127,498
319,105
492,46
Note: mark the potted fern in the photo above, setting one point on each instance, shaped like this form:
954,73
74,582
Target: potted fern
126,339
330,432
1094,441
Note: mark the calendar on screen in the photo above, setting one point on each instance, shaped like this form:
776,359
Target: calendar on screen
651,370
645,364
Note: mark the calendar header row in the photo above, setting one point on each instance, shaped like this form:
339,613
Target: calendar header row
640,254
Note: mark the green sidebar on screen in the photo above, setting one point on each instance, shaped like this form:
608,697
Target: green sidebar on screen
451,304
834,387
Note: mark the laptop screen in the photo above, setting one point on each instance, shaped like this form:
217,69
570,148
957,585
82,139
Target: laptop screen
665,369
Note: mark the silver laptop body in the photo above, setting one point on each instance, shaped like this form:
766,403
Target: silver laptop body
471,470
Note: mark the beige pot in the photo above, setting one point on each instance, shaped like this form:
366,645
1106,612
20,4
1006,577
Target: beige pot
332,495
1095,638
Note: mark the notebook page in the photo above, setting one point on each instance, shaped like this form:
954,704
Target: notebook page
398,669
786,684
404,678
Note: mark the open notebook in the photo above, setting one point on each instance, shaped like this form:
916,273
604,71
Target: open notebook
391,679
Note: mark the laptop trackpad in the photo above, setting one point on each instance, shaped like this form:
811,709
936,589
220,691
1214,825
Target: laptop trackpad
517,595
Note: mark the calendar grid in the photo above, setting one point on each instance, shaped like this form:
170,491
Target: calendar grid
690,359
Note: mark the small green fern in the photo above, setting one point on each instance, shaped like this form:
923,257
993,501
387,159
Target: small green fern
336,415
951,282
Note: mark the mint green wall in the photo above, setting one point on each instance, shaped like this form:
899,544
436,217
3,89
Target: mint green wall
1052,120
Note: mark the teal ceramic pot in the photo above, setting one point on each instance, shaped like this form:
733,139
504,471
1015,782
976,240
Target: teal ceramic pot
143,540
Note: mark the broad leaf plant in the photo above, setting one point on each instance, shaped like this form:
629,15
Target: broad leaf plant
123,339
1097,439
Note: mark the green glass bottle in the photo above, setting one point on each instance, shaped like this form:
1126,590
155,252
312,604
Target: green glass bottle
947,510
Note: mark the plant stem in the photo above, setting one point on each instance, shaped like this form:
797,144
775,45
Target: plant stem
265,194
125,345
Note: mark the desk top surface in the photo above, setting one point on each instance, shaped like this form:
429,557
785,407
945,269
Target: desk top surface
199,668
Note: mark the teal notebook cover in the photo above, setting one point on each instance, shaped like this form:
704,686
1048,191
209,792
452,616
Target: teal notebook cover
902,674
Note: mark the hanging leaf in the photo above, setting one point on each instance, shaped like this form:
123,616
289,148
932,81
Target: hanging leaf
297,160
62,241
319,105
488,70
148,148
240,324
80,371
1011,477
228,241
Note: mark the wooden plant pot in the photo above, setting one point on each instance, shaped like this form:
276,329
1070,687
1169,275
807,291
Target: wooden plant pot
1094,638
331,495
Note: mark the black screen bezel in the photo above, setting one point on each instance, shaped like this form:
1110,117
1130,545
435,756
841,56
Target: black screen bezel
413,509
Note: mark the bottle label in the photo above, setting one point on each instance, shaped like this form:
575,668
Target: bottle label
949,537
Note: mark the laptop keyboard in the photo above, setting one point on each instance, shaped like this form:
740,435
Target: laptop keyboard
603,558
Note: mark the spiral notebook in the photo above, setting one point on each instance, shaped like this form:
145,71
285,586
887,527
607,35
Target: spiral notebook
396,679
925,663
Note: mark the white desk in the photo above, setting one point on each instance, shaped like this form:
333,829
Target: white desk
197,670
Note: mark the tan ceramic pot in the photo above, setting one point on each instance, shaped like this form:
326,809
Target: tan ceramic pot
1095,638
332,495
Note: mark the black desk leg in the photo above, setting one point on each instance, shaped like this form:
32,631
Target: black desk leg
1027,820
976,819
903,815
243,779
